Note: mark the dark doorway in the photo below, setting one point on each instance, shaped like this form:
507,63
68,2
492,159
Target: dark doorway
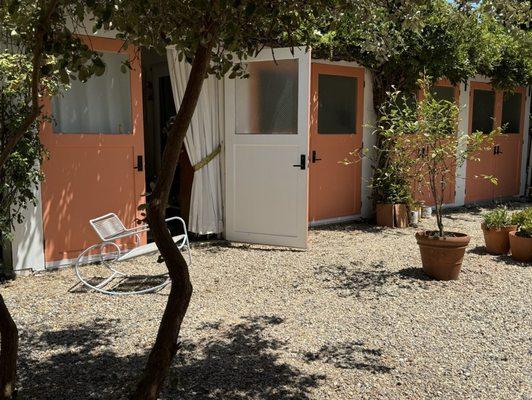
159,108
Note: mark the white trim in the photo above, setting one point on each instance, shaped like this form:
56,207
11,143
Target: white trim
69,262
463,127
335,220
27,245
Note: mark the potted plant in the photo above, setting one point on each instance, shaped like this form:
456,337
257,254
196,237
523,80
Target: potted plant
521,238
496,226
435,128
391,178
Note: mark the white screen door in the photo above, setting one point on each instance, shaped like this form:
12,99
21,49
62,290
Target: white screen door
267,125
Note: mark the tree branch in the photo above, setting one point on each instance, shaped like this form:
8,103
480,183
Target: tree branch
37,58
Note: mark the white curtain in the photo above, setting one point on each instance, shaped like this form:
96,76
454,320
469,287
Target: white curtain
100,105
202,141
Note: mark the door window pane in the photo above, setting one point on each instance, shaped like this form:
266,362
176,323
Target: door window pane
511,112
483,107
266,102
444,93
337,96
100,105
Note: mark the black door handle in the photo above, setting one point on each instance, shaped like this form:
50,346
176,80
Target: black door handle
315,156
140,164
494,149
302,162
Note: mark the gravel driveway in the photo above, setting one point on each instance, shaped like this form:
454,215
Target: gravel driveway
351,318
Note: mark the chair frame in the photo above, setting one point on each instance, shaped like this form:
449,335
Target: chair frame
107,259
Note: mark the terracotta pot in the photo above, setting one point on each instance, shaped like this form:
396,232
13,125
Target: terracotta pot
385,215
442,257
497,240
401,215
521,247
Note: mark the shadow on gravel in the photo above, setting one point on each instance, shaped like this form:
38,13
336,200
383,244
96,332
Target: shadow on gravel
351,355
234,362
76,363
480,250
413,273
238,362
352,281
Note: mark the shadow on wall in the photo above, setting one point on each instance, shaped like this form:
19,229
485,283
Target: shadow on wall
234,362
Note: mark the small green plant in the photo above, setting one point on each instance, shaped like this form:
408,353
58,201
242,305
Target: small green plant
523,220
498,218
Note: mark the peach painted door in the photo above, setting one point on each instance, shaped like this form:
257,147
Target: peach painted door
507,151
96,149
443,90
483,117
337,94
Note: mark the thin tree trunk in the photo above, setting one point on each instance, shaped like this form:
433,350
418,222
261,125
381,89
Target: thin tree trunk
166,343
8,352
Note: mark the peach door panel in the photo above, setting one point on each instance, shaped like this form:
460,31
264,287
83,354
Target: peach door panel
507,165
478,187
483,117
508,147
96,152
334,187
82,183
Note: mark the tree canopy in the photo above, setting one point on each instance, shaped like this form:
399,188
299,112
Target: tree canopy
437,38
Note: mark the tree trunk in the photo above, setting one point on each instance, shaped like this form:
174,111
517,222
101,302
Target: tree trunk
8,352
166,343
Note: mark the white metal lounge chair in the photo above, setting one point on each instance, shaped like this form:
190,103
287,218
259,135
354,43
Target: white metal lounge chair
109,228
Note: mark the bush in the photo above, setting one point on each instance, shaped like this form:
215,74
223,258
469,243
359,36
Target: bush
523,220
498,218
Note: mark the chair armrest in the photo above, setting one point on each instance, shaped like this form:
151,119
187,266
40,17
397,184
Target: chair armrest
182,223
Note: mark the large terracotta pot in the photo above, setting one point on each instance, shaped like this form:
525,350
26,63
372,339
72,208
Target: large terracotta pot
385,214
442,257
497,240
521,247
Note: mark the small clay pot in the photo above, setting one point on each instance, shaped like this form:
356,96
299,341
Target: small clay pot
521,247
442,257
497,240
385,214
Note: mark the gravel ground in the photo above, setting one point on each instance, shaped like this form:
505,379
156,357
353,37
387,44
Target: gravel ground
351,318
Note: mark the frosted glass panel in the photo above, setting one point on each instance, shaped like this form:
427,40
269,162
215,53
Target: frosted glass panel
100,105
511,112
336,104
266,102
483,106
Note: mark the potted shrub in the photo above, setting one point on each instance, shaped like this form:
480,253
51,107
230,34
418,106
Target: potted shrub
391,178
435,128
521,239
496,226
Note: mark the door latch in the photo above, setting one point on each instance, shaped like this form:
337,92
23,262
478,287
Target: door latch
315,156
302,162
140,164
